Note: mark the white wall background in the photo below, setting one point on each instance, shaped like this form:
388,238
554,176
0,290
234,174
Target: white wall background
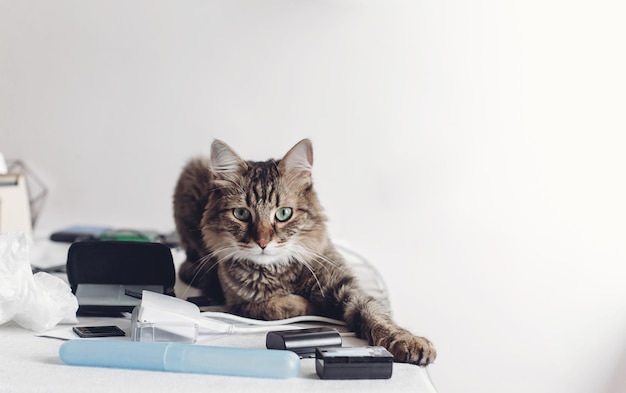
473,150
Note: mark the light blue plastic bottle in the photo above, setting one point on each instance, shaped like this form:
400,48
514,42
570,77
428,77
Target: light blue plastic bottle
183,358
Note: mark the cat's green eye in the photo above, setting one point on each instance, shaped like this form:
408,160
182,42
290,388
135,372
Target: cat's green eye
241,213
283,214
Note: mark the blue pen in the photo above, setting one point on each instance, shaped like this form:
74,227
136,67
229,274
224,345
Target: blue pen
183,358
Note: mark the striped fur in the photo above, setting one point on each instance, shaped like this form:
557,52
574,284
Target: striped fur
241,251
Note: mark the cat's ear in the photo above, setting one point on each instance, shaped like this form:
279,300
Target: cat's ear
298,161
225,163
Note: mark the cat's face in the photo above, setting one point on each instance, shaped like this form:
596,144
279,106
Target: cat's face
263,212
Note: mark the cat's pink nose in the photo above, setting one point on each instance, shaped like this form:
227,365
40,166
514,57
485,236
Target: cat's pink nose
264,236
263,243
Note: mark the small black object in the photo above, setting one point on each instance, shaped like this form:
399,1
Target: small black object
98,331
131,293
353,363
78,233
201,301
303,341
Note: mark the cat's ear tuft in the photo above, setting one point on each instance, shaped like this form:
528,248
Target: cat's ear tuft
224,161
298,162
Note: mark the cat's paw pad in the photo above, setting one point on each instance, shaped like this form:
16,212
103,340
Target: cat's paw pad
407,348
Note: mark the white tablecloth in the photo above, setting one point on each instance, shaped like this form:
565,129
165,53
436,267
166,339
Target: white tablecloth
30,363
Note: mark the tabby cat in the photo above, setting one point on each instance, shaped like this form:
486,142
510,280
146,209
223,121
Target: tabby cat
255,239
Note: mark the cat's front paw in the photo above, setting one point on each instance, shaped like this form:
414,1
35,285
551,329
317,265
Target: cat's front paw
408,348
282,307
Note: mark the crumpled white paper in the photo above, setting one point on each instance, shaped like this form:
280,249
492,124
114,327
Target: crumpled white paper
36,302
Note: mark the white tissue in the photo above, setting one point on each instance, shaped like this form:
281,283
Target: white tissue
36,302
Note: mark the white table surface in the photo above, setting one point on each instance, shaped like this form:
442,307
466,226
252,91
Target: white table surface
30,363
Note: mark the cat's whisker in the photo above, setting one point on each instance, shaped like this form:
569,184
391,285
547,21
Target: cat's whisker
301,256
228,253
199,269
310,268
310,254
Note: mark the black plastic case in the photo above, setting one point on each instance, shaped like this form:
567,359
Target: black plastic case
353,363
128,267
303,341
